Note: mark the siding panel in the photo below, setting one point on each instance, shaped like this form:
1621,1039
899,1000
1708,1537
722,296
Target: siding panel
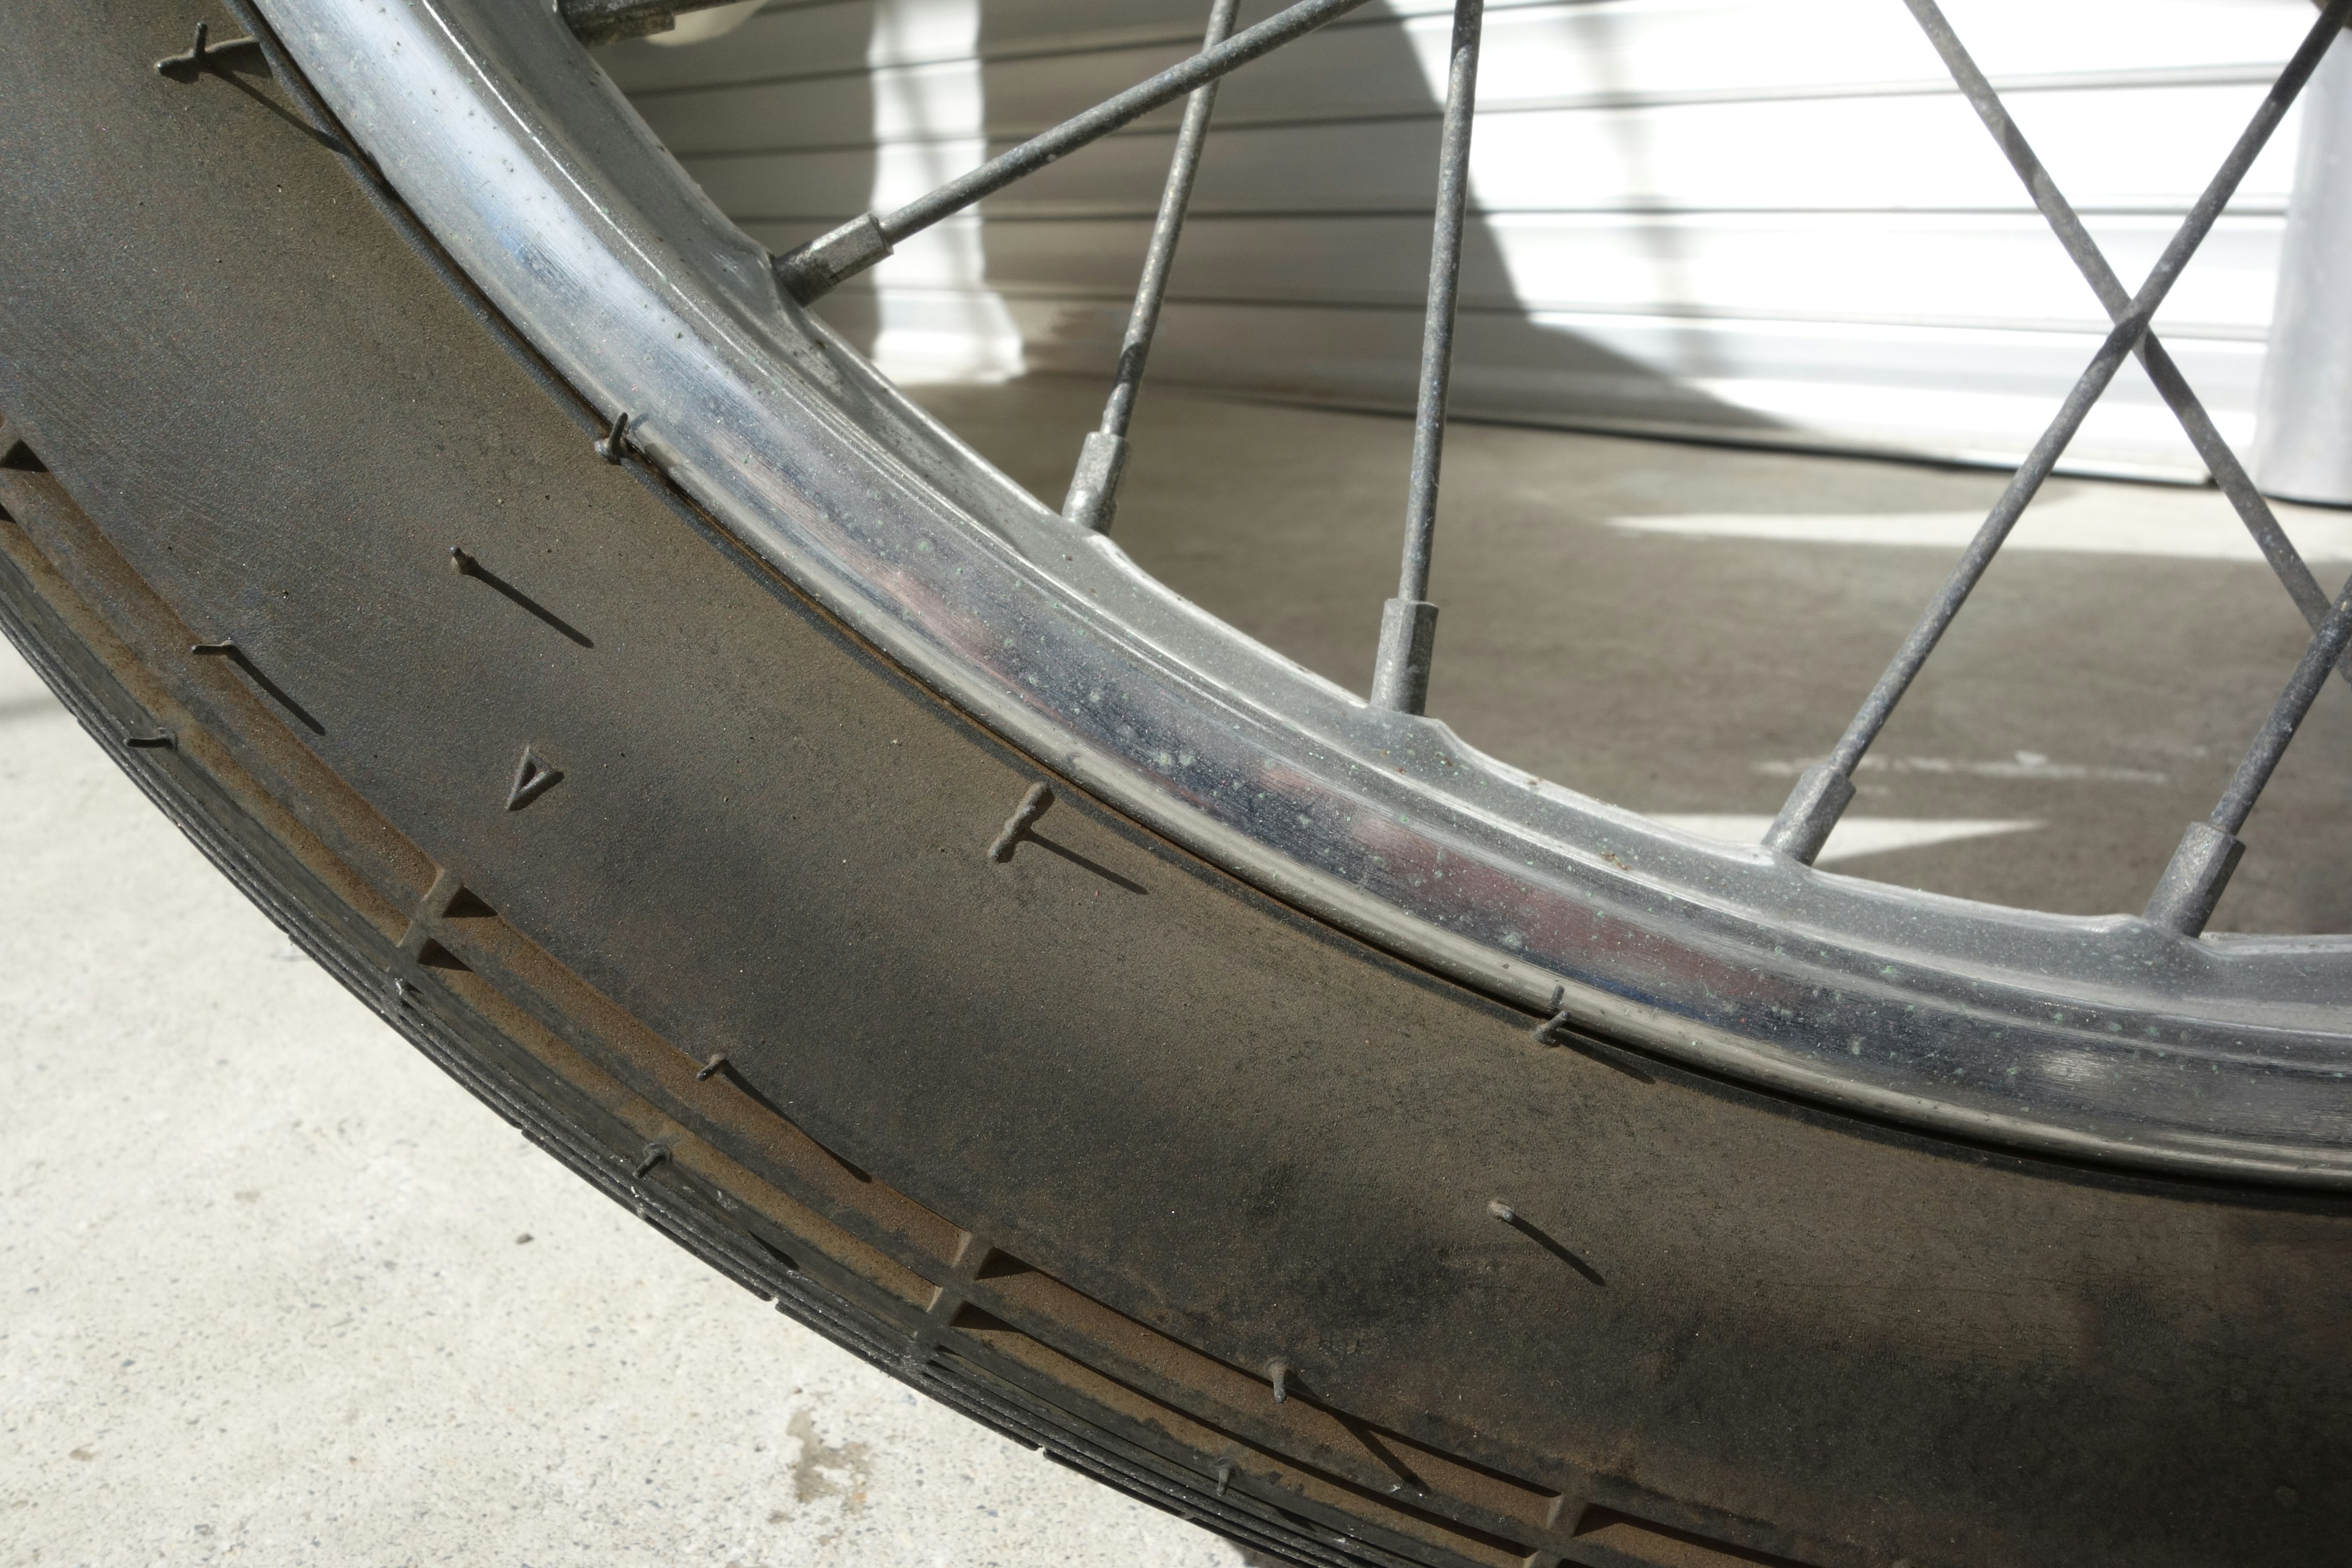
1760,215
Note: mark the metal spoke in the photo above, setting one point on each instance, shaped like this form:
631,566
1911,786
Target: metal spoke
1824,789
2192,883
1409,622
1093,500
826,262
2229,474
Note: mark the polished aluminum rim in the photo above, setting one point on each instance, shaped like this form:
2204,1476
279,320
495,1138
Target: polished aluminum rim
2114,1038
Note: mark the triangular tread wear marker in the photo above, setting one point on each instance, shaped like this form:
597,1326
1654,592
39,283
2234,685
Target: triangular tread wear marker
533,777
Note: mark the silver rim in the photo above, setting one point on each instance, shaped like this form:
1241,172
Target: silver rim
2113,1038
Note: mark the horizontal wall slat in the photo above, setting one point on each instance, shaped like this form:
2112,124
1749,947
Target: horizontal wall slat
1769,215
1971,395
2146,150
1368,71
1804,264
1536,52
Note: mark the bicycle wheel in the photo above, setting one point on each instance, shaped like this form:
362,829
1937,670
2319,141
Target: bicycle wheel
1249,1094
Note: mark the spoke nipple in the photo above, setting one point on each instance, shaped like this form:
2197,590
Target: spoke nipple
1502,1211
823,264
1224,1478
1277,1371
1811,811
462,563
1407,645
654,1154
717,1064
1093,500
2194,879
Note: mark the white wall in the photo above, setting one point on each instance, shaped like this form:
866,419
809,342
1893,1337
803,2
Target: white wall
1763,217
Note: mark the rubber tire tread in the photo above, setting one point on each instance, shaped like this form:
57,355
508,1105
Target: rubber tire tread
2150,1369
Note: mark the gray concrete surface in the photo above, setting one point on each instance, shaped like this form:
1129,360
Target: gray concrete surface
274,1290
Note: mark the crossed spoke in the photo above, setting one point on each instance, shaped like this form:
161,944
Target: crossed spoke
2199,871
1823,790
1408,622
2228,473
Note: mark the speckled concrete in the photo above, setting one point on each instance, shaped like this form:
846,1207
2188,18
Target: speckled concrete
274,1290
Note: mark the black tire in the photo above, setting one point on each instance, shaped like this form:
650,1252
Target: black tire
1099,1146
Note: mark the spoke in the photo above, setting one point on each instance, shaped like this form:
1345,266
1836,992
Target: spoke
1093,500
1824,789
1409,622
2192,884
825,263
2229,474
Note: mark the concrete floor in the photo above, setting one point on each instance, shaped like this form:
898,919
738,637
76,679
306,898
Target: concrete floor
248,1315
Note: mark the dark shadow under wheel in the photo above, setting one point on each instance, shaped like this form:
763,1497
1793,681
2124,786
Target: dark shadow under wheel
1093,1141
